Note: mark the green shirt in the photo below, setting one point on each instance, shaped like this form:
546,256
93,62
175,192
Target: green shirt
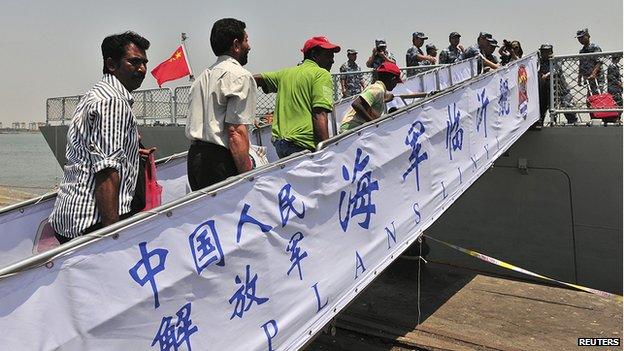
299,89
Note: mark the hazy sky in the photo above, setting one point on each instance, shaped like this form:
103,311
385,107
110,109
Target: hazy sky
52,48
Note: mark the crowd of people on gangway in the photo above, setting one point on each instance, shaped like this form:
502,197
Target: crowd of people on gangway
104,177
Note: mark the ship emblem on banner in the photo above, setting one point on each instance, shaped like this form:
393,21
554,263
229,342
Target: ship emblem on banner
523,96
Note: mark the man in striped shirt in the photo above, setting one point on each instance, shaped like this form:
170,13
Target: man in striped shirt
103,144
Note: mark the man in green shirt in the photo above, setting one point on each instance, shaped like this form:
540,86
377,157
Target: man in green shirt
304,98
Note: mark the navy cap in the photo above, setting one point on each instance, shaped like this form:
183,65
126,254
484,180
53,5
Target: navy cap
454,34
419,35
546,47
581,32
380,42
493,42
351,51
486,35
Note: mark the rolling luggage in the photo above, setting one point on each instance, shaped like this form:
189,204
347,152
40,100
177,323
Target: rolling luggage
601,101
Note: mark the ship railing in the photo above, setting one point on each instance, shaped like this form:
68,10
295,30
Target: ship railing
153,106
61,109
167,106
264,106
570,91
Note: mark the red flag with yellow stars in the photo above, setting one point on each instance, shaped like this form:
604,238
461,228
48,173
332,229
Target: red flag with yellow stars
172,68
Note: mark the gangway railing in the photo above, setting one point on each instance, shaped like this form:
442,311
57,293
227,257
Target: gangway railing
164,106
266,259
570,85
367,77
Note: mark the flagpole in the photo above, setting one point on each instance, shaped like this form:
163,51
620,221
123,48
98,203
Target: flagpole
188,61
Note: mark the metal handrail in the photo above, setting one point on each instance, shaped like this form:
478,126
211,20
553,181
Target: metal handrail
605,53
427,67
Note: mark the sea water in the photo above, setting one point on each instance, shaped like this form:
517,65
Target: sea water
27,163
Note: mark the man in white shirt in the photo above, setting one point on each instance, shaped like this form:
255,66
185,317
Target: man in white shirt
222,105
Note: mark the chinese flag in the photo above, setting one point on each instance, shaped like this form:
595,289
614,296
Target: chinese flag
172,68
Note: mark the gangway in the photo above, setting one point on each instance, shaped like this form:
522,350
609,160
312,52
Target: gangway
264,260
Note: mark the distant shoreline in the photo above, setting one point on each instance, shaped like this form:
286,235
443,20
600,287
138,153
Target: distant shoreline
18,131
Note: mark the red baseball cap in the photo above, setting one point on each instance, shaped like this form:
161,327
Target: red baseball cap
390,67
323,42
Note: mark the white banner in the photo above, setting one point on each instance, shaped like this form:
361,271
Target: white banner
264,262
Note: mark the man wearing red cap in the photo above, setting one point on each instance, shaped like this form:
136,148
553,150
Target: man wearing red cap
304,97
371,103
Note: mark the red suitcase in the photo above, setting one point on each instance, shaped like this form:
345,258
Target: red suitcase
602,101
599,102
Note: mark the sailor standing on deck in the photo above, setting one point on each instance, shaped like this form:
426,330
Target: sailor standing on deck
380,54
453,52
100,175
351,84
222,105
415,56
304,98
485,50
590,68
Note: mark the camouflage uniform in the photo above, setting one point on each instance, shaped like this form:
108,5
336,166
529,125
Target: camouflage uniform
352,81
474,51
450,55
410,56
587,64
562,89
377,61
614,82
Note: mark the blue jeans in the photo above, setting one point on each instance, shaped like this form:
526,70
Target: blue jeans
286,148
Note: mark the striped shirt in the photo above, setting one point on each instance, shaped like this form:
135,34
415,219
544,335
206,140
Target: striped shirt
102,134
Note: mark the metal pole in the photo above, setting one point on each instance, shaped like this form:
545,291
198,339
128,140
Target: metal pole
144,109
174,101
553,116
472,69
188,61
450,73
437,79
63,111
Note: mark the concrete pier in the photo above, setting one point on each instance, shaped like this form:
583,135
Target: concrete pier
462,309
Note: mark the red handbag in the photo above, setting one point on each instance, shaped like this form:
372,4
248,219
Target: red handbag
153,190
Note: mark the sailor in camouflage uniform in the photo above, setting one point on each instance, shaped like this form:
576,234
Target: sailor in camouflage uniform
590,68
453,52
351,84
415,56
614,79
380,54
484,49
562,90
